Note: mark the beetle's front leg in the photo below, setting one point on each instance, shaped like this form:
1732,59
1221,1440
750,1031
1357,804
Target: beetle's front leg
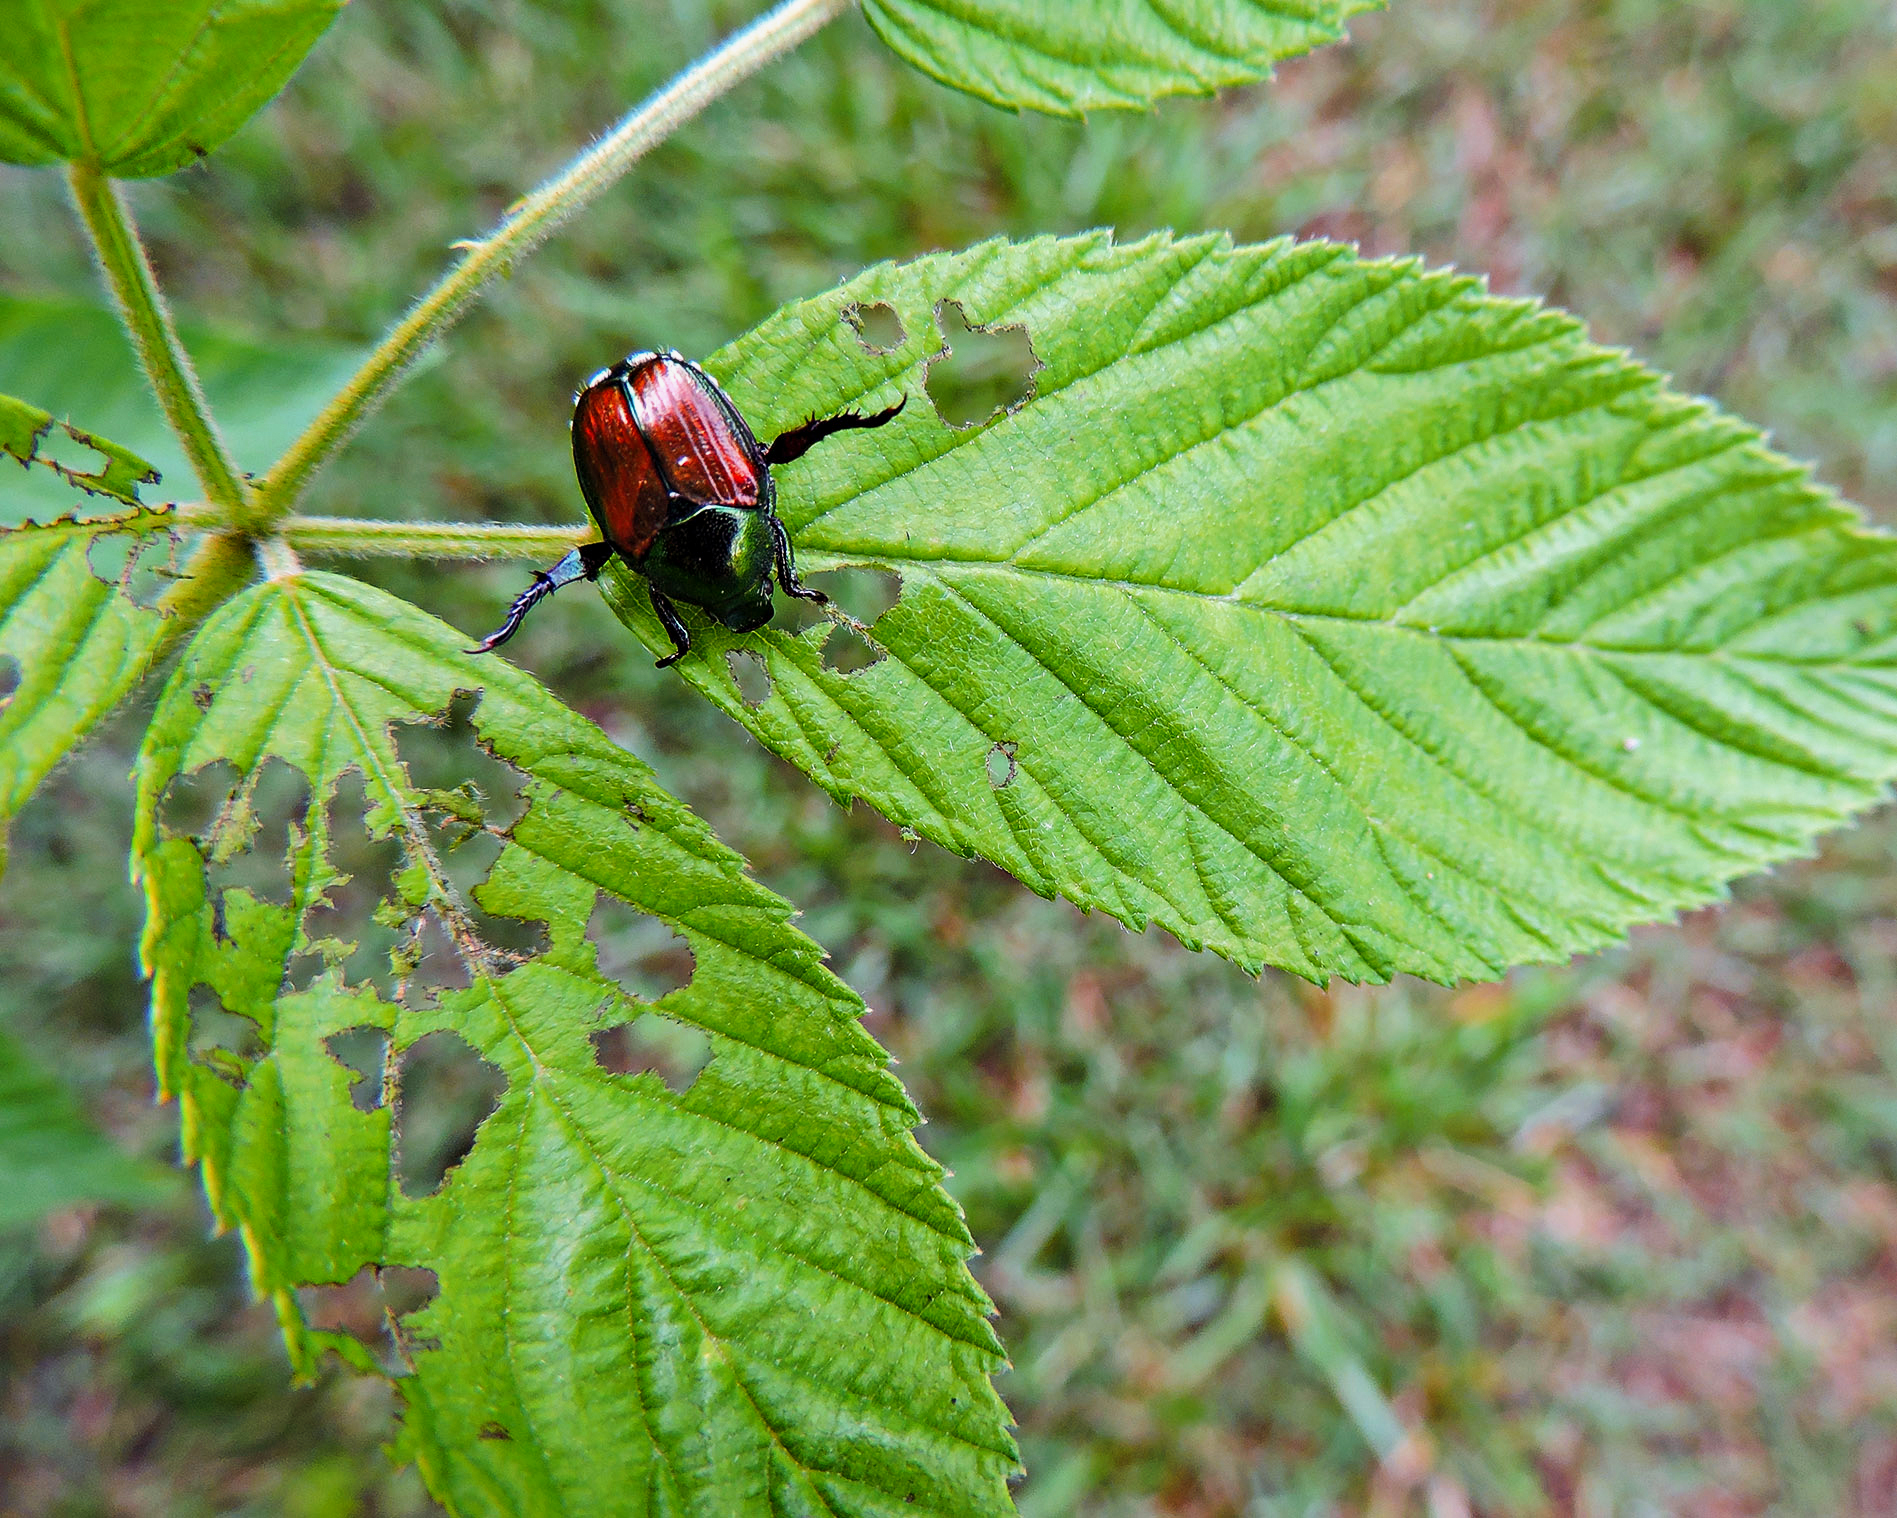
787,568
667,614
584,563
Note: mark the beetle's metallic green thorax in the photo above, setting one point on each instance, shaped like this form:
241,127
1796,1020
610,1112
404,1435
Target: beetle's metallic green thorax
720,558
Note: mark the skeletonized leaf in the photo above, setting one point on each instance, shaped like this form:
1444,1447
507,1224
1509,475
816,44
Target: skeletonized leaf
51,1155
72,643
1083,55
1332,613
23,428
745,1296
139,88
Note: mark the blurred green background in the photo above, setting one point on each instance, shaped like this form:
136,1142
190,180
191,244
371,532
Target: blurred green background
1616,1238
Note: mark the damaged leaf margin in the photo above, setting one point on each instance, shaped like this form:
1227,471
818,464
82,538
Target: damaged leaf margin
1344,617
23,431
719,1297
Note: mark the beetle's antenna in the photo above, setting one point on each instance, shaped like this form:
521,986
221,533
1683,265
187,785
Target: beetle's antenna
583,563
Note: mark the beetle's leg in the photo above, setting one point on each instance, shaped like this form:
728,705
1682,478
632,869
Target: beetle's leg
668,615
800,440
787,568
583,563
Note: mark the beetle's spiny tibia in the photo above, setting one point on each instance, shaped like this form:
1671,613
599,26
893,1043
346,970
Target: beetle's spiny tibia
800,440
583,563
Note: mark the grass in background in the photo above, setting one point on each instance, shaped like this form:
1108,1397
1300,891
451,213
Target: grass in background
1617,1238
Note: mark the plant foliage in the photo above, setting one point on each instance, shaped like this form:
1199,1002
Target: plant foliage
76,639
1083,55
1330,612
750,1294
1327,611
139,89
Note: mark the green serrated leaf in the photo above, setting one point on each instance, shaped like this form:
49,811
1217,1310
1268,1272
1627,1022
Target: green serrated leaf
748,1296
1084,55
1329,612
139,88
51,1155
23,428
76,642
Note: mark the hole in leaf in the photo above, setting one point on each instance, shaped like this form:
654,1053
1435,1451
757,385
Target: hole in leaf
9,677
642,954
672,1050
371,1306
467,859
981,372
364,1053
444,1091
142,565
245,826
191,801
1001,764
846,650
750,675
408,1288
222,1040
74,453
428,963
794,615
878,328
864,593
453,770
470,798
357,925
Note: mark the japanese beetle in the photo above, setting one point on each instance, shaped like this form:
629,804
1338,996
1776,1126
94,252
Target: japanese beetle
682,493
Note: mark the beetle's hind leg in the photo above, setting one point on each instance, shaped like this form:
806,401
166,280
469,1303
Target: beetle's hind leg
800,440
787,568
584,563
667,614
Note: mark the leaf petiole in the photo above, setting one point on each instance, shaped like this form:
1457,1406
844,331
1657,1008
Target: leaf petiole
167,366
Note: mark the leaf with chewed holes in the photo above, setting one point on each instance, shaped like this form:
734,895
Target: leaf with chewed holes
1330,612
1082,55
73,643
744,1296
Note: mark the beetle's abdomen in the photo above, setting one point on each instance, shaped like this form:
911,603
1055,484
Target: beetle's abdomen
703,449
623,488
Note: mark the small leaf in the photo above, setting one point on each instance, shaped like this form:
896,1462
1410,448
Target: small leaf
746,1295
139,88
76,644
1083,55
24,427
52,1156
1342,616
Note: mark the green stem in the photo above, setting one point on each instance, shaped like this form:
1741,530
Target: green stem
353,537
135,290
530,222
221,565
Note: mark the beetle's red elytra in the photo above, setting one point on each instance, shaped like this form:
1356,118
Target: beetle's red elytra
682,493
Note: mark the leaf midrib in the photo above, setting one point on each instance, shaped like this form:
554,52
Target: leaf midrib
822,562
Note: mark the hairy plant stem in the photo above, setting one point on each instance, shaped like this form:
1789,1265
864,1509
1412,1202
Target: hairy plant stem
220,566
352,537
167,366
527,225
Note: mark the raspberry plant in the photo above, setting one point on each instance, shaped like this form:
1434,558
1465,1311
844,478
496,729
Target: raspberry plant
1329,612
